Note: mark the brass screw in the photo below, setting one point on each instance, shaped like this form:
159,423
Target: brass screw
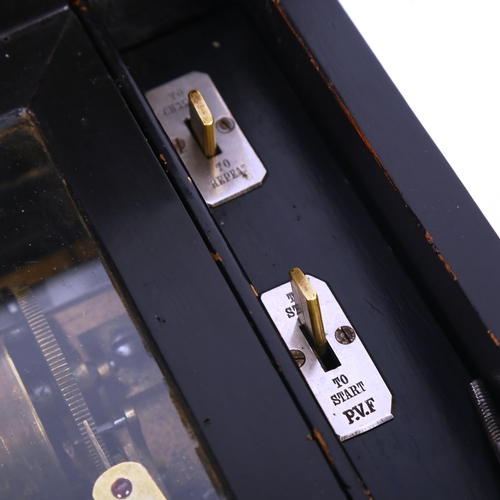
345,335
179,144
224,124
298,356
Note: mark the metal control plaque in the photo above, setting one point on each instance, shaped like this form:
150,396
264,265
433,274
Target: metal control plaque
353,395
235,169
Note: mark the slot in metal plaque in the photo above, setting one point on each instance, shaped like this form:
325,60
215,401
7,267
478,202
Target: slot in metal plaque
235,169
353,396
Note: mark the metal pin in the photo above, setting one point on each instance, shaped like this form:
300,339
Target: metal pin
309,312
202,123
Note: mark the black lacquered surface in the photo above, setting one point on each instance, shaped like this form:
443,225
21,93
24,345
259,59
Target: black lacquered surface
307,215
433,224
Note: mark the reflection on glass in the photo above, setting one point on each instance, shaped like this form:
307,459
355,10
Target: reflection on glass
85,412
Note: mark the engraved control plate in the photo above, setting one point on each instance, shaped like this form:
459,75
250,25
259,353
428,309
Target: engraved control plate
353,396
235,169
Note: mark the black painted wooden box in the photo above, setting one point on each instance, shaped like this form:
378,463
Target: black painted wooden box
356,193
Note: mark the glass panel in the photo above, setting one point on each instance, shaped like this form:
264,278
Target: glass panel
80,396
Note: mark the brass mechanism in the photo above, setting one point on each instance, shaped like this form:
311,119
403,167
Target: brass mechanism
202,123
308,309
126,480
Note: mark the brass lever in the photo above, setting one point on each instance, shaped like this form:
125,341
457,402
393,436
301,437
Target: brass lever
202,123
309,312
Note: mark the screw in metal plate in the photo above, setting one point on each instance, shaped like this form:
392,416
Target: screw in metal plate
224,124
345,335
179,144
298,356
487,413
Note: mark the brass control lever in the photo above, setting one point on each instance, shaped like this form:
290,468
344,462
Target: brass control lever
202,123
309,311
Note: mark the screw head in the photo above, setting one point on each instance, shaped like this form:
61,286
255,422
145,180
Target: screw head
298,356
179,144
345,335
224,124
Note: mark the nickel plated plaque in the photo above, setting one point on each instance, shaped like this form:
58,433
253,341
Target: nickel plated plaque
348,386
234,168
